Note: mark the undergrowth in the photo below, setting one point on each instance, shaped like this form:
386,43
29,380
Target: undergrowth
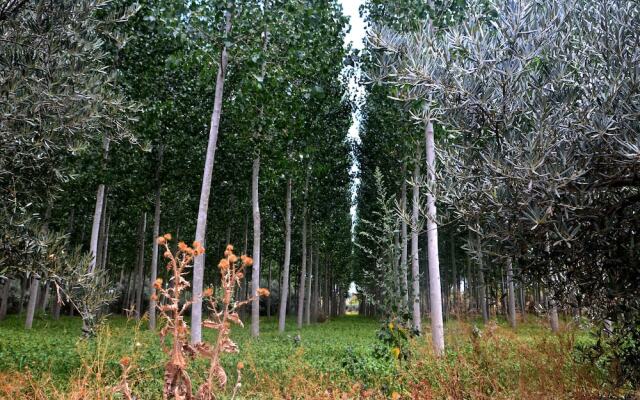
339,359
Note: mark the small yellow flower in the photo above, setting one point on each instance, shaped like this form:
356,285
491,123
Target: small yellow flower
390,326
395,396
396,352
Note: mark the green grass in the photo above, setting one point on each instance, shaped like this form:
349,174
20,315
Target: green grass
337,356
55,349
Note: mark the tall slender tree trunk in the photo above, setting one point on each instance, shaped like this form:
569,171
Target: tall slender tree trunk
154,245
140,280
326,300
482,289
45,298
415,261
126,296
24,283
303,268
512,294
316,288
454,270
404,283
437,326
255,276
203,207
57,306
269,289
33,297
307,306
95,227
105,242
553,316
6,286
57,302
394,259
342,303
523,302
34,289
255,196
284,295
101,233
97,215
553,309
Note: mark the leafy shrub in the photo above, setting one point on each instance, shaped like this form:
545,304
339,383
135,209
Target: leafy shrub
614,352
368,366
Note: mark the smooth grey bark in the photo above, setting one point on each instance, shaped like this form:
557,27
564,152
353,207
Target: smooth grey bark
33,298
512,293
482,289
255,275
316,288
45,298
415,262
470,287
57,306
435,301
326,300
307,305
404,283
553,316
553,309
24,283
126,296
6,286
203,207
140,280
269,289
284,295
101,233
255,198
343,304
303,268
97,216
95,227
395,261
454,270
523,302
131,289
154,245
34,290
105,243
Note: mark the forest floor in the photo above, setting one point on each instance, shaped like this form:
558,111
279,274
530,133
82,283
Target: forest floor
338,359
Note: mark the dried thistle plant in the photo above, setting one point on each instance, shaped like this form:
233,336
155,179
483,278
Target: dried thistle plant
123,385
224,311
177,383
